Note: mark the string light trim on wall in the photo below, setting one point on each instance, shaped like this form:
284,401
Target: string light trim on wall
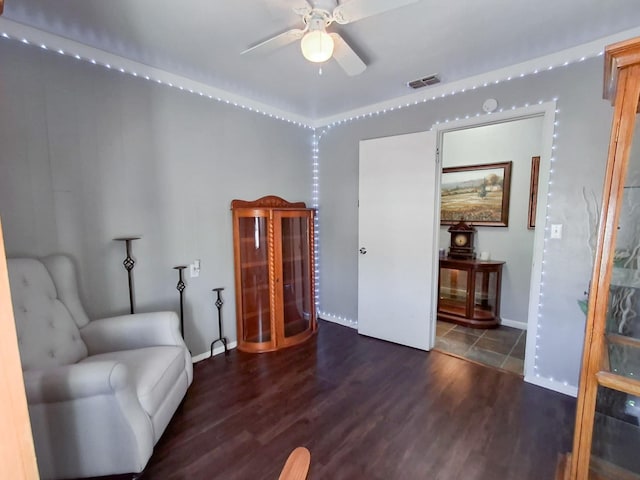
462,86
158,76
315,203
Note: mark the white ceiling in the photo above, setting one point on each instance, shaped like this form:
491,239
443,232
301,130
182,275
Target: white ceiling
202,40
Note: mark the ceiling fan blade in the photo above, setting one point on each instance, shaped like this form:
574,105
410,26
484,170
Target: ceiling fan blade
354,10
303,8
350,62
276,42
1,6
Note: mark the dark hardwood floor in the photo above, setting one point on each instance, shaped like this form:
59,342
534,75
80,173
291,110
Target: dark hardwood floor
366,409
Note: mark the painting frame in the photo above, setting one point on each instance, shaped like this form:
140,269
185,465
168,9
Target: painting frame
533,192
473,185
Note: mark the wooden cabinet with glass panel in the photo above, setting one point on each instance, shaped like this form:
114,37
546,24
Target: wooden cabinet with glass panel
607,432
274,273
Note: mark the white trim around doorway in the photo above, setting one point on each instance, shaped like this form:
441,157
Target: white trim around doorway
548,111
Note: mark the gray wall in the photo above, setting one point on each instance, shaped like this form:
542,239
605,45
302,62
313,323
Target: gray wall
90,154
580,148
515,142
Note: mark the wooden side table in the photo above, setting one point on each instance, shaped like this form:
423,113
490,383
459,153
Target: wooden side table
469,292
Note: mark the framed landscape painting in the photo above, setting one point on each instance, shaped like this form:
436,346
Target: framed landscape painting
476,194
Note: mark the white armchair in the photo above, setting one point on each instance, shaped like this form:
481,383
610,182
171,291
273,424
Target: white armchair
100,392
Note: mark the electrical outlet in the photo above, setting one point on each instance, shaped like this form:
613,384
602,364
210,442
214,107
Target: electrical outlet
556,231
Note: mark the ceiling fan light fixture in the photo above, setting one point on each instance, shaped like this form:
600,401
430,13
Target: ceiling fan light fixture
317,46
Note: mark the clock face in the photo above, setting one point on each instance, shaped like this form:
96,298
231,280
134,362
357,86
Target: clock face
460,240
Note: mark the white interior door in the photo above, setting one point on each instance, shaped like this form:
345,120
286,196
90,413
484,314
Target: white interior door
397,234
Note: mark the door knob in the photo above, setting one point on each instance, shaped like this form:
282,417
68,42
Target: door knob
363,250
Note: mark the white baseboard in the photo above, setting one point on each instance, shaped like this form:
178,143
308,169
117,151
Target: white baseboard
513,323
346,322
554,385
216,351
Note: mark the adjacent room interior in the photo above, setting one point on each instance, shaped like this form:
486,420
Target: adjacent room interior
518,141
288,238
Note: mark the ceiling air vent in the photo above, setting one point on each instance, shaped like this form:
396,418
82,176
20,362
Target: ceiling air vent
425,81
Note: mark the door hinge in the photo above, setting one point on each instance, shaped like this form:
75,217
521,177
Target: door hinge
437,154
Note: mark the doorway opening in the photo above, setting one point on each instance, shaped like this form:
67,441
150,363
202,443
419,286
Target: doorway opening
517,137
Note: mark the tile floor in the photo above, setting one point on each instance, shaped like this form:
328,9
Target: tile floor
502,347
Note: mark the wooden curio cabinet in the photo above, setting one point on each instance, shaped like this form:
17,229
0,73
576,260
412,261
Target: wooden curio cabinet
469,292
607,433
274,273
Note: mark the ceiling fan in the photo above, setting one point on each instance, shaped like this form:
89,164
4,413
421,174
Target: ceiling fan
319,46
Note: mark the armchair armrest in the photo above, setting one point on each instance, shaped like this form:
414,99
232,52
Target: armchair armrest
88,412
128,332
78,380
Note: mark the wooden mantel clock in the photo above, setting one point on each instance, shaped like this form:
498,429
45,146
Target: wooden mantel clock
462,241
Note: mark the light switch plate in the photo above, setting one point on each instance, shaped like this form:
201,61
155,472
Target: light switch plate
194,269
